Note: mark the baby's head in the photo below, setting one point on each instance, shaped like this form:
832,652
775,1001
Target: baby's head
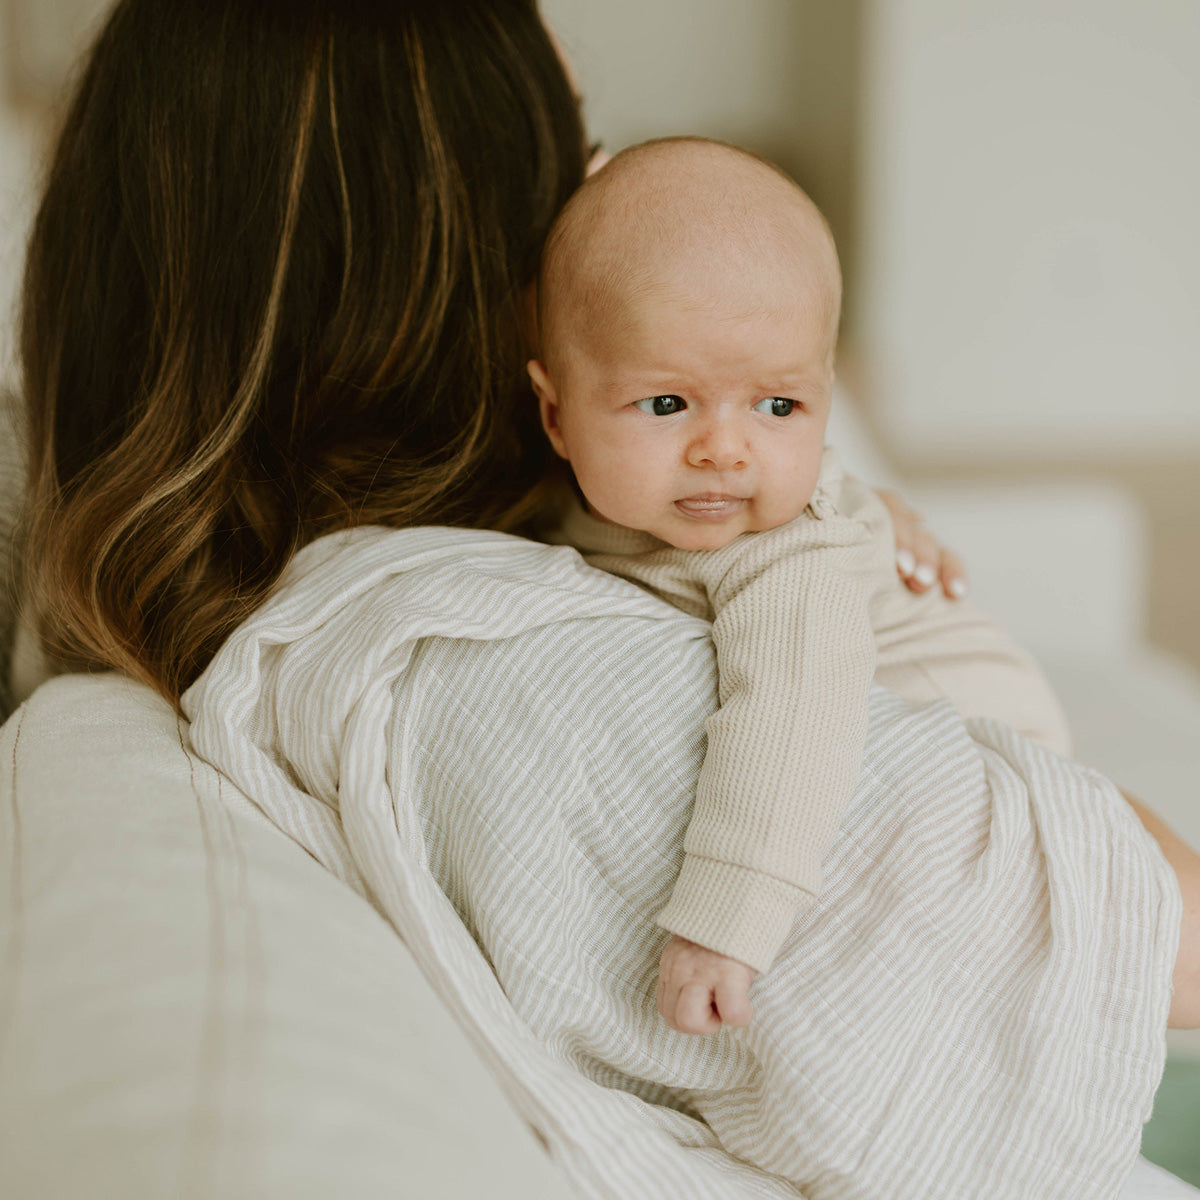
688,310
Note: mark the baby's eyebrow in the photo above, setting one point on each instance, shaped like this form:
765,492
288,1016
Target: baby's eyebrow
652,381
794,383
790,381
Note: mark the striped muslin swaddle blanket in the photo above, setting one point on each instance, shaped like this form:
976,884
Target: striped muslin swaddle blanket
499,746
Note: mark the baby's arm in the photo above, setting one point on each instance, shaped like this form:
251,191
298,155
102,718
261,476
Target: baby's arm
795,654
700,990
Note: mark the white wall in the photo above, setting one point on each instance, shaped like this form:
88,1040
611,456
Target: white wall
779,76
40,45
1030,271
653,67
18,151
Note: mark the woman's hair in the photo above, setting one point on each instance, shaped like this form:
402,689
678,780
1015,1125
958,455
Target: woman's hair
274,289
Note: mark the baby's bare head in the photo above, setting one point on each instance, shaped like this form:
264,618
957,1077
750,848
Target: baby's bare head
688,222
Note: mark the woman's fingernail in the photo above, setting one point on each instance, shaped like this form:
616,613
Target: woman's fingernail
925,574
905,563
957,588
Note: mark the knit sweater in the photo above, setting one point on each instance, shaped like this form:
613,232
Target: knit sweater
791,614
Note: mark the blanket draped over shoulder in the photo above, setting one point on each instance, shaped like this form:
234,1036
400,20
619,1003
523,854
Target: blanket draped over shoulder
498,746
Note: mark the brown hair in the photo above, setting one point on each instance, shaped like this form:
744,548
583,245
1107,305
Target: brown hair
273,289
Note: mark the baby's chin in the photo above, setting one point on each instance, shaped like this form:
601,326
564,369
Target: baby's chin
703,539
700,536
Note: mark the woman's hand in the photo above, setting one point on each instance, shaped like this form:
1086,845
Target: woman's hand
921,560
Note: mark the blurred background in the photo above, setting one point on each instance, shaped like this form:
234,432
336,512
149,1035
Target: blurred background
1013,184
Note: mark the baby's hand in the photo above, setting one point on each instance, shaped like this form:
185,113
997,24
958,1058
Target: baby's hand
699,989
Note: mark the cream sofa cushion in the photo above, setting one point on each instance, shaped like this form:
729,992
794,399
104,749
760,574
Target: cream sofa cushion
189,1004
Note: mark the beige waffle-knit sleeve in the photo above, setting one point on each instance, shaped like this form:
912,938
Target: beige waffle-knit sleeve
795,653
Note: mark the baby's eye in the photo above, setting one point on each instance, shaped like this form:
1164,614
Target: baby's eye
661,406
777,406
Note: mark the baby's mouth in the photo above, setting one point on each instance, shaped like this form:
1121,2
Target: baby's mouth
710,506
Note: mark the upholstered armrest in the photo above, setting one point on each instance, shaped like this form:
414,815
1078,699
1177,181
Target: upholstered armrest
190,1004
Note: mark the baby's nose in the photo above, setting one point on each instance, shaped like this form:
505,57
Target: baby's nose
719,445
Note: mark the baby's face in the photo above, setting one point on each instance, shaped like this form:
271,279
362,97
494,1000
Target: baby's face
694,426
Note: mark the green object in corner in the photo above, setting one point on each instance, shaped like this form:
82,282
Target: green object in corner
1172,1136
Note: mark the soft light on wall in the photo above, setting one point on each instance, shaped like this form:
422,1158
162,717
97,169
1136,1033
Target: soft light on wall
1030,281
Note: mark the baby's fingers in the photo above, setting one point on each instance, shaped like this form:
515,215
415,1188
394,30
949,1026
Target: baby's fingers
733,1002
687,1009
694,1010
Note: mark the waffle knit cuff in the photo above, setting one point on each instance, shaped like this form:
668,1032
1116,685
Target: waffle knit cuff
733,910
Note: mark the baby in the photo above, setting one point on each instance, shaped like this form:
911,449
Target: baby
688,313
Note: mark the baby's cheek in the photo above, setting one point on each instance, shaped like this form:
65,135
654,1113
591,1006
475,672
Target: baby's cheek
620,488
786,504
611,498
808,477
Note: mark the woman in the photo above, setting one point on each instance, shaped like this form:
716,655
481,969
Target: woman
275,290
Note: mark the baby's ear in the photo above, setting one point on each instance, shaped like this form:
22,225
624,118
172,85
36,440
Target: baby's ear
547,405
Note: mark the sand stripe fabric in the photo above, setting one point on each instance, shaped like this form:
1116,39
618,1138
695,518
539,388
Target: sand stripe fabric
499,746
